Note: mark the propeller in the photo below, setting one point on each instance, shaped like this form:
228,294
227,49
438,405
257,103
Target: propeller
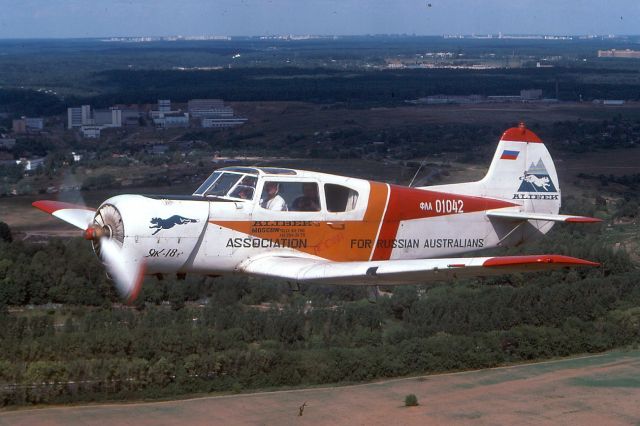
127,276
106,233
105,230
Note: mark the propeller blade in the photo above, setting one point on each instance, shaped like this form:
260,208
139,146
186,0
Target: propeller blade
127,275
77,215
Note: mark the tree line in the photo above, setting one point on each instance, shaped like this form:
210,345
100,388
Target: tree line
230,334
322,85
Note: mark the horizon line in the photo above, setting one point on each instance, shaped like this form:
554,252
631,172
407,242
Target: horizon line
181,37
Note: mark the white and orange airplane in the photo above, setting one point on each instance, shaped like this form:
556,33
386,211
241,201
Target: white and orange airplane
311,227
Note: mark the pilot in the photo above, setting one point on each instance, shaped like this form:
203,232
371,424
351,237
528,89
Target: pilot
271,199
249,181
309,201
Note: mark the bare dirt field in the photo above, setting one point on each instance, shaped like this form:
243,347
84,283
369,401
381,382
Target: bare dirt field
593,390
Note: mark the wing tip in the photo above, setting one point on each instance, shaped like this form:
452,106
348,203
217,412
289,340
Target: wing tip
45,205
583,219
555,259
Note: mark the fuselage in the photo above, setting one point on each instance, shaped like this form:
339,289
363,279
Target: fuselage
322,216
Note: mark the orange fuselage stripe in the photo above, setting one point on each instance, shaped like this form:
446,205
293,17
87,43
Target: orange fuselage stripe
356,240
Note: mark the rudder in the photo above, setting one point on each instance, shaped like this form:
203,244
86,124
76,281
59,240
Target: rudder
522,170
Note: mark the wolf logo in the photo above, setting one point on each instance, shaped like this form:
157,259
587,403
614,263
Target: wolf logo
536,179
159,224
543,182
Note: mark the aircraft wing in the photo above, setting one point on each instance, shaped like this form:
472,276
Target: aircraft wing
76,215
518,216
398,272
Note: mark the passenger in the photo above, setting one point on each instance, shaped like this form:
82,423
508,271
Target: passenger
309,201
270,198
244,192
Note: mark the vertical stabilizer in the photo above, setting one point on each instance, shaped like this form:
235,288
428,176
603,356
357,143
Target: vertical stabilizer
522,170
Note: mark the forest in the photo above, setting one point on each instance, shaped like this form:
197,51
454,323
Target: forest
66,337
388,87
355,89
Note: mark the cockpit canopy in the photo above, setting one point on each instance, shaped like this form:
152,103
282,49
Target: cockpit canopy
282,189
238,183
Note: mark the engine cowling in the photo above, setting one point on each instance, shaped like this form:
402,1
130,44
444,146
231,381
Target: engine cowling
162,233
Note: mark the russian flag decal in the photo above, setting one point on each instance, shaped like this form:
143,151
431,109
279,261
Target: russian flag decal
509,155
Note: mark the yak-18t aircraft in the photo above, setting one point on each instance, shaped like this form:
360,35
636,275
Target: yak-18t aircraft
311,227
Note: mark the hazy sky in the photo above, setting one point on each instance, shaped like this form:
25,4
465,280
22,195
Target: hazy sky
92,18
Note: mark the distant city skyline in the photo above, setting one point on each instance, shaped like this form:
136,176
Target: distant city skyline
135,18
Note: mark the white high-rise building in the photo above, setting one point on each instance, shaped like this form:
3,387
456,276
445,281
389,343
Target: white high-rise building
79,116
116,117
91,122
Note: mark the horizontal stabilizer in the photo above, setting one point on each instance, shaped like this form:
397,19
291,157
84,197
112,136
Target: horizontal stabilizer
397,272
77,215
510,215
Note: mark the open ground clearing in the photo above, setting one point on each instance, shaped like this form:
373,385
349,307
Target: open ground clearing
599,389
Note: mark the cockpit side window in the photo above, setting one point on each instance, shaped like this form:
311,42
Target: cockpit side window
306,199
291,196
245,188
340,198
243,192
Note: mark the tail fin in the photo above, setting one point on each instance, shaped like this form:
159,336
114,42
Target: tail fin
522,170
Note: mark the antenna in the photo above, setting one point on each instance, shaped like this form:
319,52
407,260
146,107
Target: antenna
417,171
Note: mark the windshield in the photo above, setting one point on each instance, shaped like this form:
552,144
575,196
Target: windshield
223,184
207,183
228,184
